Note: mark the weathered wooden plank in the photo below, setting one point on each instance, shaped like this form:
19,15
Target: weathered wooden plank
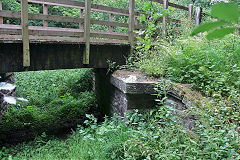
25,35
41,31
45,12
109,35
108,23
131,24
171,4
1,18
81,5
50,39
190,12
40,39
87,25
13,14
164,24
111,20
75,32
109,41
53,31
107,9
198,16
63,3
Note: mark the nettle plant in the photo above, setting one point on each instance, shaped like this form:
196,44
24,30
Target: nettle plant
149,19
227,15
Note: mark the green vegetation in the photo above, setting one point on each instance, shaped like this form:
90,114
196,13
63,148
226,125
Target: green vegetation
227,21
212,67
62,98
154,135
57,100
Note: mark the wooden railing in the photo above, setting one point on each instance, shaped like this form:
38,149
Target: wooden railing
82,34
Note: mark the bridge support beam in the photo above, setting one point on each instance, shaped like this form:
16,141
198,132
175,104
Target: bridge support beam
60,56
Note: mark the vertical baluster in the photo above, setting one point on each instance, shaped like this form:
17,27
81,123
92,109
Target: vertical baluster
45,12
25,34
1,18
164,27
198,16
111,20
131,24
190,12
87,26
81,25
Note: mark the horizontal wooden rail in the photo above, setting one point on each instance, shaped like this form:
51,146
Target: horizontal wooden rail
50,39
62,3
110,35
81,5
13,14
171,4
42,31
77,34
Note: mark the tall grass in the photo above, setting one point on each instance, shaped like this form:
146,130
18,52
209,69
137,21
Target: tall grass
210,66
154,135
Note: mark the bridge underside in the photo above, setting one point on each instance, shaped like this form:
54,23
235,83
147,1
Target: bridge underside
60,56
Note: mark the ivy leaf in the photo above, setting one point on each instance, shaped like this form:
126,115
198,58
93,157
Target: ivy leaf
220,33
207,27
226,11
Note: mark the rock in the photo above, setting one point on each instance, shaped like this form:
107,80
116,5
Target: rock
7,87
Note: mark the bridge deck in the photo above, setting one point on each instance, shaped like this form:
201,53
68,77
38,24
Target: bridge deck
33,38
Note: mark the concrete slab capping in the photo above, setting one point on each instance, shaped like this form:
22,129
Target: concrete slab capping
133,82
131,90
124,91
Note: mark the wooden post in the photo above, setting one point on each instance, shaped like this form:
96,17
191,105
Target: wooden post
111,20
164,27
198,16
81,25
131,24
87,31
25,35
190,12
45,12
1,18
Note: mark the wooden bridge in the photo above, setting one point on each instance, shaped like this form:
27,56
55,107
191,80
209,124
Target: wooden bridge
24,47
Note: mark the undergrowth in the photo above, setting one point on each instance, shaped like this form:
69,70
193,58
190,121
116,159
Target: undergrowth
153,135
212,67
58,100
